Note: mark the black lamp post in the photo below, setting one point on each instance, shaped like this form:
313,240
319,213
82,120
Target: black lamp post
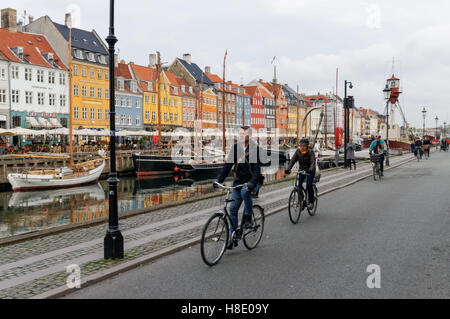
424,113
113,242
436,119
347,120
387,96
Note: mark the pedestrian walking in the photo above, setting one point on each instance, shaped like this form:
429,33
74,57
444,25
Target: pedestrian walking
351,148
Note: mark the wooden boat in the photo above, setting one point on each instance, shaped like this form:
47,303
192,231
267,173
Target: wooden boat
65,177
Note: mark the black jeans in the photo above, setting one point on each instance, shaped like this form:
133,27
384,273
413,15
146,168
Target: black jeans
349,163
382,163
309,185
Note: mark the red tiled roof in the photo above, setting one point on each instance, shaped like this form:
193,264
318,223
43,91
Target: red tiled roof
144,73
31,53
123,71
214,78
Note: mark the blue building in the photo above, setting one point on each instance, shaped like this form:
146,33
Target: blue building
129,100
243,104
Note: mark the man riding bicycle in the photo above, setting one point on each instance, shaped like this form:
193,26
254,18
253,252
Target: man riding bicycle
379,147
307,162
244,161
418,147
427,145
444,144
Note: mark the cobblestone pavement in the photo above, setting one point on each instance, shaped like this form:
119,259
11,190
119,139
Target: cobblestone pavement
33,267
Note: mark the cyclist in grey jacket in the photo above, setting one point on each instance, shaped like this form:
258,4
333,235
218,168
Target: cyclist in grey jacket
307,162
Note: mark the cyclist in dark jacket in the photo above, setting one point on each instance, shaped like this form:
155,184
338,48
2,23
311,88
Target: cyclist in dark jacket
418,147
307,162
243,159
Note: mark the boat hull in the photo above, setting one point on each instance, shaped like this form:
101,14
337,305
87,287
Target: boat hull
148,165
27,182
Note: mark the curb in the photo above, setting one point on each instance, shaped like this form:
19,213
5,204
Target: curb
109,273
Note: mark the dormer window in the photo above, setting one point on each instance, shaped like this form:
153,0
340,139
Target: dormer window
102,59
133,87
190,90
183,89
120,84
150,86
91,56
175,90
18,51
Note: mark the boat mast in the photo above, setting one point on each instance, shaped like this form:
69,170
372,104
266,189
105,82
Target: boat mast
70,98
224,143
158,71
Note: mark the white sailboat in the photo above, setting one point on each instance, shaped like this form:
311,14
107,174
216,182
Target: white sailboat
65,177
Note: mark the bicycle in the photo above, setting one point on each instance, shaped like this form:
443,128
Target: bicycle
216,232
427,152
376,166
419,153
297,201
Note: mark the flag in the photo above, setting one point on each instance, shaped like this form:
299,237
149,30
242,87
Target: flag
226,53
273,60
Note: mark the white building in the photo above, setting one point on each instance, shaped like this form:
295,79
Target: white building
39,81
4,92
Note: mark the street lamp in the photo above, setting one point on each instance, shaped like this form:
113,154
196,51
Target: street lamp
347,120
113,242
436,119
424,113
387,97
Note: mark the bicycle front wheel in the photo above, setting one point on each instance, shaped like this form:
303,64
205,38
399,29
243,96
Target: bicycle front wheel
214,239
253,235
295,206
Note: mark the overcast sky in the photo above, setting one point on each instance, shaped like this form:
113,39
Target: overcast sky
310,38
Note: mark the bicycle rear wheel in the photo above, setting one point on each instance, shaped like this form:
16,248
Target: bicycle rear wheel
295,205
214,239
312,212
252,236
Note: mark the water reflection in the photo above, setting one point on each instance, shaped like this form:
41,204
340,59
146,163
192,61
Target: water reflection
32,211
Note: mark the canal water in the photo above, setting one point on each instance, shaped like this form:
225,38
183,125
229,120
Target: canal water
26,212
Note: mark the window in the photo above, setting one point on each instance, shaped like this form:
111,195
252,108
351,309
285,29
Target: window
40,76
176,102
165,101
76,114
15,72
29,97
76,90
150,86
133,87
2,96
171,117
84,113
62,100
92,73
120,84
62,79
2,73
138,103
92,113
117,101
41,98
107,94
123,119
100,114
153,99
15,96
130,120
147,99
28,76
84,91
153,116
165,117
75,69
170,102
147,115
107,75
84,71
123,101
99,74
138,120
129,101
51,99
176,118
117,119
99,93
51,77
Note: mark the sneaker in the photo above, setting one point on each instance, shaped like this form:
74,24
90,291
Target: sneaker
230,245
248,222
311,206
381,173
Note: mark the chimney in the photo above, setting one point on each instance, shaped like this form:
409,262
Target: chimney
207,69
9,19
68,20
187,57
116,60
152,60
30,19
260,80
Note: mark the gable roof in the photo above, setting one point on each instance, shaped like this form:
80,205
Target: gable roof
34,47
144,73
82,39
215,78
196,72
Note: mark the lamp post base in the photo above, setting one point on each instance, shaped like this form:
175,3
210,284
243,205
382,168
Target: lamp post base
113,244
387,159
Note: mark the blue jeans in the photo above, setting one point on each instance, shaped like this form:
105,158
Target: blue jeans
309,185
257,188
240,195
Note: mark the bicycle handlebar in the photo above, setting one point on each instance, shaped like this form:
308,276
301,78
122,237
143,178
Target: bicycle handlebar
229,187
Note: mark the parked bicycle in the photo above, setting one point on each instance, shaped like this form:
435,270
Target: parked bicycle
216,232
297,200
376,166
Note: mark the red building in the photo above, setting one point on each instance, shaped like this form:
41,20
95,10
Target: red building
257,110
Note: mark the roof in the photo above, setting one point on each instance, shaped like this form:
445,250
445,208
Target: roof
172,78
251,90
182,82
35,46
144,73
123,71
82,39
214,78
196,72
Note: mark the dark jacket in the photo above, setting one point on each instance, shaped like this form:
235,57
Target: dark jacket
248,170
307,162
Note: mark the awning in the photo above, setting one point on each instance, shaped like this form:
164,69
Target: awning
44,123
55,123
33,122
